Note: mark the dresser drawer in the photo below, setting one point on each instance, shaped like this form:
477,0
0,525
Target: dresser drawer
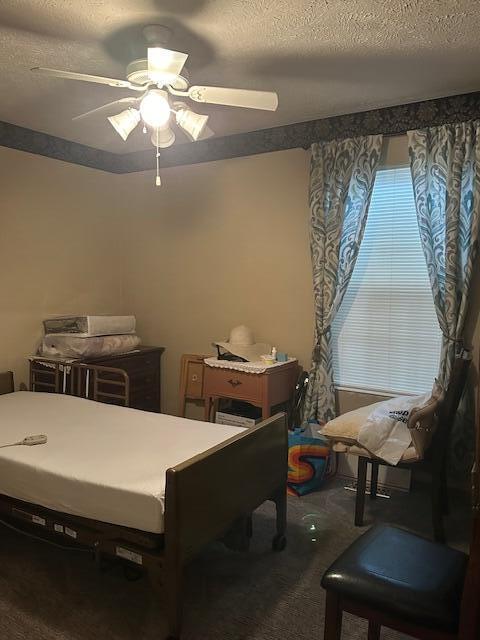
146,400
232,384
144,379
135,364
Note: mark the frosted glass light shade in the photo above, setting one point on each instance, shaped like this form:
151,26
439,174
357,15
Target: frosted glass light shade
166,137
125,122
192,123
154,108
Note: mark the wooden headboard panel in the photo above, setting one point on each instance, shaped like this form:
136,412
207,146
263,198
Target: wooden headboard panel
6,382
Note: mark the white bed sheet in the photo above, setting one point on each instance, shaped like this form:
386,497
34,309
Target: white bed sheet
101,461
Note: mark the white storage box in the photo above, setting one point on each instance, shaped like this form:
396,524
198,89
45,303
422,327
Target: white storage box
90,326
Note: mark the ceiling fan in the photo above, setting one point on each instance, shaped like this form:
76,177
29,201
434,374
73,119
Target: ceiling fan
162,82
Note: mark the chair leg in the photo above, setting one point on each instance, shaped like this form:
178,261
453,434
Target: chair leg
279,541
361,486
333,617
444,490
437,508
373,630
374,480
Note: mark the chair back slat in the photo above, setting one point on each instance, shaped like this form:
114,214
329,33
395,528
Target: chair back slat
449,405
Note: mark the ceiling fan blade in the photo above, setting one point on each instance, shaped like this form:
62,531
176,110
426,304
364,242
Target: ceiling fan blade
267,100
85,77
107,107
164,65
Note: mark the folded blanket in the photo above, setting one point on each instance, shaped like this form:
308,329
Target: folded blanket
78,347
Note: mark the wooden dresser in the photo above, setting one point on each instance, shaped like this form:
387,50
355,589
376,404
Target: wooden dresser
144,372
142,367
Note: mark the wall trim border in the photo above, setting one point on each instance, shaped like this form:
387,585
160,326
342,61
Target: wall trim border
388,121
43,144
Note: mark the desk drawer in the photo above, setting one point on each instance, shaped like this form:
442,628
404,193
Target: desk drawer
233,384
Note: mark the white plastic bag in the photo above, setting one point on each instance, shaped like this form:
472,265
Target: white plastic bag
386,433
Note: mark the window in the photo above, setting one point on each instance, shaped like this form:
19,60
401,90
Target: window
386,335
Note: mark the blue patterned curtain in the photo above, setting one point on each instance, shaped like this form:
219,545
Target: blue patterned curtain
445,166
342,173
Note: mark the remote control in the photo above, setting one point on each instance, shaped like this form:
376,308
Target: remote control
31,440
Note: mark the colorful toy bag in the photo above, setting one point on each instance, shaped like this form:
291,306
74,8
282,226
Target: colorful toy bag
308,458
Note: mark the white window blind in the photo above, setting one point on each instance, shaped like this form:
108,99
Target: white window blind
385,336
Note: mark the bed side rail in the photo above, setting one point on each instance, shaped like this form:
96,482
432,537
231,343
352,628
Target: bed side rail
207,493
103,384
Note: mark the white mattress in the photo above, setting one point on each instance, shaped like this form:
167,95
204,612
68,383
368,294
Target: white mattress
101,461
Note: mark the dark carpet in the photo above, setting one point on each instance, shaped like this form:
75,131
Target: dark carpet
49,594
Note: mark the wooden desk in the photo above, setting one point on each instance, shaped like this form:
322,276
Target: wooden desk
264,390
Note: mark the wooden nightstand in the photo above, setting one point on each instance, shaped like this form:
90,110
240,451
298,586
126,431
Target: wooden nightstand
265,390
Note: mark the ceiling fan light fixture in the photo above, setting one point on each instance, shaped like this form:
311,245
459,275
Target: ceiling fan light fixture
192,123
125,122
155,108
163,137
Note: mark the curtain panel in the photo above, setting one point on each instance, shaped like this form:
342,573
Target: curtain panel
342,174
445,166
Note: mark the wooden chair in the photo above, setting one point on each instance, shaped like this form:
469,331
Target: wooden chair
435,456
191,380
399,580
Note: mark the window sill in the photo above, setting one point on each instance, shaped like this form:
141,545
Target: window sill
374,392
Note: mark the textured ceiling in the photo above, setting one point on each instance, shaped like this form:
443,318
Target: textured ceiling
323,57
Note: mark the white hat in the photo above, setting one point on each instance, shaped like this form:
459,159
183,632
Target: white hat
242,343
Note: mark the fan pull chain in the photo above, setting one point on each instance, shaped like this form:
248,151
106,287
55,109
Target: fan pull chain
158,182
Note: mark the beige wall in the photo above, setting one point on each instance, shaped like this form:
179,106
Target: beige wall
225,243
221,244
60,249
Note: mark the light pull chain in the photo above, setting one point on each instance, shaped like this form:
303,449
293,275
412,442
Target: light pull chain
158,182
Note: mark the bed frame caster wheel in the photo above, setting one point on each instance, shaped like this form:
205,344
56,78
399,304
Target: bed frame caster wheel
279,542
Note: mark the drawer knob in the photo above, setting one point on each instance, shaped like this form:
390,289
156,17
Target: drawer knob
234,383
